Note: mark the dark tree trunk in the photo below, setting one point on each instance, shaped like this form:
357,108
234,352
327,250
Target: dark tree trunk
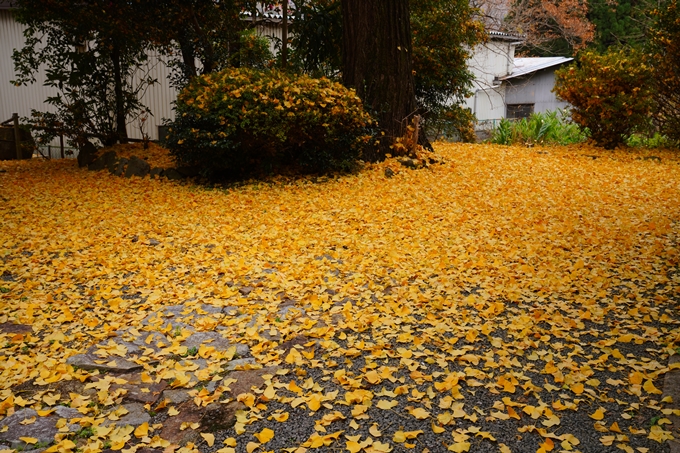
121,129
188,57
377,62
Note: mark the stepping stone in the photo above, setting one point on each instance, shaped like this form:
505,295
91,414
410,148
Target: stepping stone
172,426
138,391
44,428
177,396
136,416
216,340
247,379
113,364
231,366
8,327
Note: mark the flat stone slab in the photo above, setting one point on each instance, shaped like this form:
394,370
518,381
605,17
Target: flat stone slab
93,362
43,428
247,379
177,396
216,340
136,416
8,327
138,391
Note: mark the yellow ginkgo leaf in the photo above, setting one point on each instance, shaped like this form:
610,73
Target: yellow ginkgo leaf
598,414
142,430
420,413
387,404
265,435
209,438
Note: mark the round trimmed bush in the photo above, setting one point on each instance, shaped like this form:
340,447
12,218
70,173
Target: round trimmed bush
240,121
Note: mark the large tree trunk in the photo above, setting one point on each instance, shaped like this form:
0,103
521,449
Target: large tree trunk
377,63
121,128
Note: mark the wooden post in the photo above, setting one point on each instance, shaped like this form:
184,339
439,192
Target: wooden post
17,135
284,37
61,144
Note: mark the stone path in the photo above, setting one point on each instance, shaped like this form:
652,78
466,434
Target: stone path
199,388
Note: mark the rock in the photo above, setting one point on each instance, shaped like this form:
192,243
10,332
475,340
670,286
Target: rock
138,391
106,160
299,340
389,172
120,167
410,163
232,365
230,310
247,379
176,396
44,428
216,340
136,416
189,172
172,427
219,416
137,167
90,362
172,174
87,153
291,311
156,171
8,327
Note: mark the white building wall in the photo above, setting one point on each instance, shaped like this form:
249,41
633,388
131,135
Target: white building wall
23,99
488,62
535,89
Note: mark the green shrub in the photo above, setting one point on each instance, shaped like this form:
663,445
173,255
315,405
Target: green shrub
611,94
240,121
665,50
550,128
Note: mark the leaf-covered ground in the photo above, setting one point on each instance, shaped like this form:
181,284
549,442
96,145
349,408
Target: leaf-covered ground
509,299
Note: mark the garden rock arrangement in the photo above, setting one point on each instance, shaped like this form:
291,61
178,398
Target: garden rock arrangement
134,166
134,397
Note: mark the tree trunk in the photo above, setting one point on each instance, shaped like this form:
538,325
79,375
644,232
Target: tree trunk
121,129
377,63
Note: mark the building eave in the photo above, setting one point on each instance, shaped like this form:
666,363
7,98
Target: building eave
549,63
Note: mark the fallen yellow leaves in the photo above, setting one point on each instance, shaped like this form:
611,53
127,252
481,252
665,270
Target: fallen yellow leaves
416,294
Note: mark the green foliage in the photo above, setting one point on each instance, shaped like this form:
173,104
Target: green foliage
253,51
656,140
665,50
96,66
549,128
617,23
240,121
317,38
610,94
443,34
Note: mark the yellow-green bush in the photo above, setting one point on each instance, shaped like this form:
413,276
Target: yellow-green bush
610,94
240,121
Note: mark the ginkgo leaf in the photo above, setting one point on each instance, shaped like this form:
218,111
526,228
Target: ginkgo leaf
265,435
386,405
420,413
209,438
598,414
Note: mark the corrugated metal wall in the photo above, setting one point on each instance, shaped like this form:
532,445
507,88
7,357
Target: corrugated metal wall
22,100
535,89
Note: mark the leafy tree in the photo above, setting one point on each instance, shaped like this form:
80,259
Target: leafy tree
90,62
665,50
443,32
377,62
610,94
618,23
550,27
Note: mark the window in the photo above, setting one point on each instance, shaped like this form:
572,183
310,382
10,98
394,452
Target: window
519,110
